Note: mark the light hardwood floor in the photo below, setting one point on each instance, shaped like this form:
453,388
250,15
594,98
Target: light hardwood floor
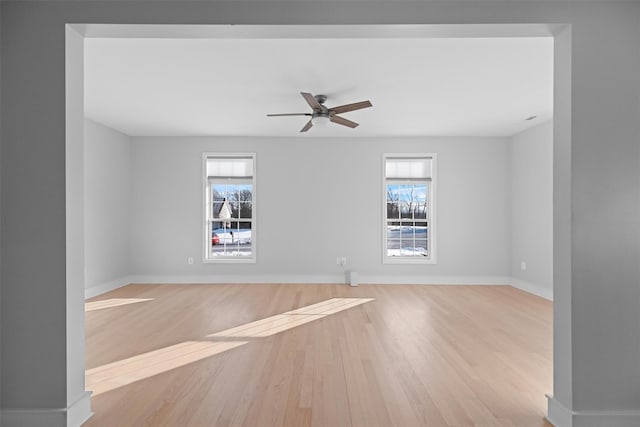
189,355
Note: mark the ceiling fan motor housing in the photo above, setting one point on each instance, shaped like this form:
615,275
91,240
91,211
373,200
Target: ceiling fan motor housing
320,98
323,111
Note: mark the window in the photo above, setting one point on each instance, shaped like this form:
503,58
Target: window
229,207
409,189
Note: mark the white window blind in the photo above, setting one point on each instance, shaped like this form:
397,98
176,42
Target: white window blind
408,168
229,167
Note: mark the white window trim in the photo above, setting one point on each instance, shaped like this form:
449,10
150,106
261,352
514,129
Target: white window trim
205,212
431,259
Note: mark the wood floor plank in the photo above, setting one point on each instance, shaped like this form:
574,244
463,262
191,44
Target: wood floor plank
225,355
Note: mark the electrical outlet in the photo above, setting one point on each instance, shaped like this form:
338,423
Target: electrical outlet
523,265
338,261
190,261
343,261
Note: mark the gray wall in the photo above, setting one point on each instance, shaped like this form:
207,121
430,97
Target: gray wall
605,207
1,116
596,167
107,201
339,183
531,175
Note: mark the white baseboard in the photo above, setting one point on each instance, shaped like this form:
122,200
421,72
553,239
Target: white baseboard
238,279
337,278
79,411
561,416
557,413
532,288
328,278
73,416
102,288
434,280
33,418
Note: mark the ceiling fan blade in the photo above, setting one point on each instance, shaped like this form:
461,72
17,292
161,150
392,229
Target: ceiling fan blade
342,121
350,107
311,100
289,114
307,126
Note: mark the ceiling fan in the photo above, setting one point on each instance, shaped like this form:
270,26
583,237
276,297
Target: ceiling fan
321,115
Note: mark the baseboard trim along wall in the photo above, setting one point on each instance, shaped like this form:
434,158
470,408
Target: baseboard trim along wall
73,416
241,279
329,279
433,280
33,417
532,288
557,413
80,410
322,278
103,288
561,416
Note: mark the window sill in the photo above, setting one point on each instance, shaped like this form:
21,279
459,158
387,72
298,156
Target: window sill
222,260
413,261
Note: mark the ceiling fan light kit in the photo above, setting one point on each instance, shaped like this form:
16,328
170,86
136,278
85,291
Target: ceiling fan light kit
321,115
320,121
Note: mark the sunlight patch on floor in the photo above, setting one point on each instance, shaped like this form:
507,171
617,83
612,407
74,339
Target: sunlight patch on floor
123,372
136,368
112,302
281,322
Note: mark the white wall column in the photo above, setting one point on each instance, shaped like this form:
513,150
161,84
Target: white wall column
78,403
561,402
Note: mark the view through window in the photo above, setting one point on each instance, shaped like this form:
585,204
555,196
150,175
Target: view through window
230,208
408,227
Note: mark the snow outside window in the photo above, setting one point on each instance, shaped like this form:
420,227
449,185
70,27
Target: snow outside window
408,208
229,207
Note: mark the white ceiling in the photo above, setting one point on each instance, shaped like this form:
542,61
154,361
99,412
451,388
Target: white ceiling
226,86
